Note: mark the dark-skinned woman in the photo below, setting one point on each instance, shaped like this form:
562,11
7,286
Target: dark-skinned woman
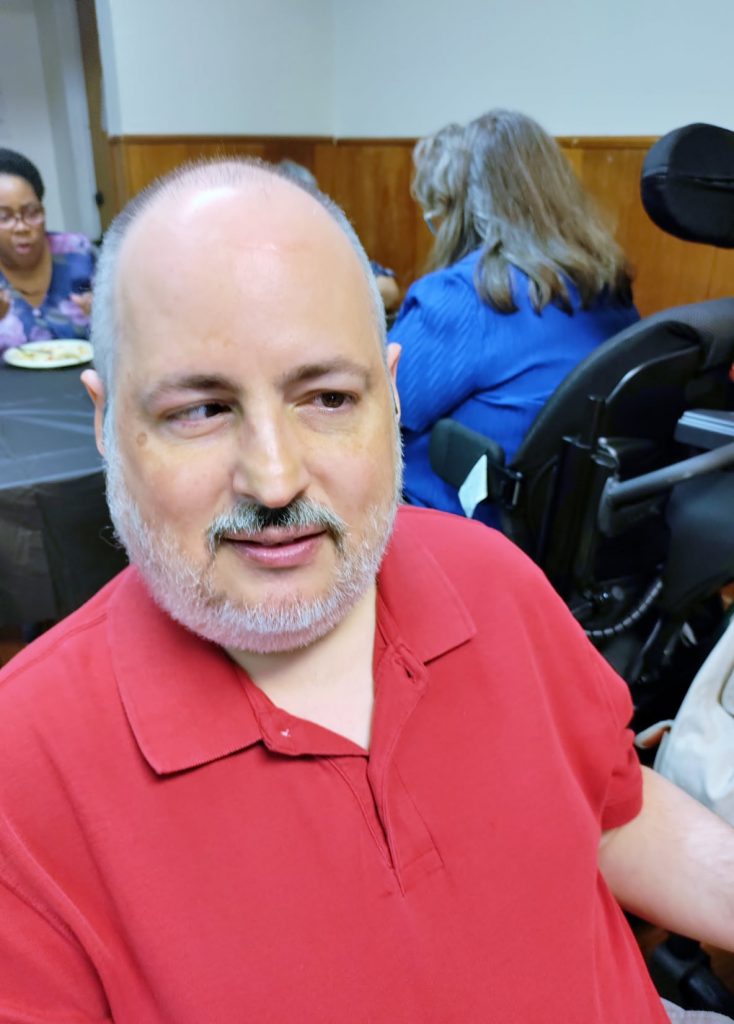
45,277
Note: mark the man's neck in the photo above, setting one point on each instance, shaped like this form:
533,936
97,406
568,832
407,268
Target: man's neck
330,681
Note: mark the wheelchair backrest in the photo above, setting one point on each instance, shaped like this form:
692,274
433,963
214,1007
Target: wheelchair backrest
633,387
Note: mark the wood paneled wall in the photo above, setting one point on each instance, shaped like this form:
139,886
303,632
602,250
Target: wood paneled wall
370,179
668,272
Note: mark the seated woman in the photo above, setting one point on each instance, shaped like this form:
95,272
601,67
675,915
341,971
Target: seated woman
525,282
45,277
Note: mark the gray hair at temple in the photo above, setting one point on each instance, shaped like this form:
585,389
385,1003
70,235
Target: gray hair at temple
105,333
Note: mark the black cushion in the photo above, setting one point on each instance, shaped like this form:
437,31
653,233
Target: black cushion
688,184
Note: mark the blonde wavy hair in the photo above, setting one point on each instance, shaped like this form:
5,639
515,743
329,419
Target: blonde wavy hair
502,185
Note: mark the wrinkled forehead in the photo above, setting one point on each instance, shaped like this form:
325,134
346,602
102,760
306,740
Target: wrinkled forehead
212,246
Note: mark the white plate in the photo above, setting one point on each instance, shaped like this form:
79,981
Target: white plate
49,355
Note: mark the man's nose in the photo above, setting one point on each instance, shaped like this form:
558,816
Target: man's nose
270,466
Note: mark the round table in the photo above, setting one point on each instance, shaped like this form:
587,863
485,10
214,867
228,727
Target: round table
56,542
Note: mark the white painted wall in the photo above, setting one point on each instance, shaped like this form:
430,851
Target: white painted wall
587,67
405,67
58,33
352,68
214,67
25,121
43,106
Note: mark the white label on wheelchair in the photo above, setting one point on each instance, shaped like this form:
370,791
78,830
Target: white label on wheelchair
474,488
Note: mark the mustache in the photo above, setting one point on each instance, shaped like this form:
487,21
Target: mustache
251,519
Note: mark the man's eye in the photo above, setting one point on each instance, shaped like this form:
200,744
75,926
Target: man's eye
203,411
333,399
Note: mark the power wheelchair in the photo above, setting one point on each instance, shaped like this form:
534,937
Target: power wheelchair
623,488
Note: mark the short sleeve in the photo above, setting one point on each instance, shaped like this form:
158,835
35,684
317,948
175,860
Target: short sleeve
88,255
623,799
65,243
589,705
437,328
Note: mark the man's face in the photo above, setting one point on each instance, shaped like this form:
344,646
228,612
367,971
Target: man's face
250,374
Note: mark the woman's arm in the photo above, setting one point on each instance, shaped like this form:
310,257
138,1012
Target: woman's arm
673,864
442,349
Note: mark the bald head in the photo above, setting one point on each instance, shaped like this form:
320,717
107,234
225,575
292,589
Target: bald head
220,216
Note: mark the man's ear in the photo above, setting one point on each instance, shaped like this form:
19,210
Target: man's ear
95,389
393,356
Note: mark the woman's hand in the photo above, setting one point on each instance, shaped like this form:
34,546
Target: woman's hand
389,290
84,301
5,302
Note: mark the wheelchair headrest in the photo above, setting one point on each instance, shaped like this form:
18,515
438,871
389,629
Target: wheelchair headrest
688,184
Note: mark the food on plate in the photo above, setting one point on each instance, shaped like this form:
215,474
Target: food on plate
43,354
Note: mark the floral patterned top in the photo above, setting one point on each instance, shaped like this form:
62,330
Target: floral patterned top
73,260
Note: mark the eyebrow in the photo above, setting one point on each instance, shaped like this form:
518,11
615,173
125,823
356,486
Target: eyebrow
188,382
22,208
314,371
207,382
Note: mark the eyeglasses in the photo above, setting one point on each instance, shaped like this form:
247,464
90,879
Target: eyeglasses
32,215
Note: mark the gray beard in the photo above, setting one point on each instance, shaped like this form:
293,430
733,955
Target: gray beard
186,592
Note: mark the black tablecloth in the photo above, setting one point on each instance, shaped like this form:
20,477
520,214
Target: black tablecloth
56,541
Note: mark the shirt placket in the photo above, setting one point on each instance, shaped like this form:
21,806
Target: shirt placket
400,686
397,829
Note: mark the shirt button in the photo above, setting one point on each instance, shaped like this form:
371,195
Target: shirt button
36,312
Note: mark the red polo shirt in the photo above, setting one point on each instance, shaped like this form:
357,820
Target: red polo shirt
174,848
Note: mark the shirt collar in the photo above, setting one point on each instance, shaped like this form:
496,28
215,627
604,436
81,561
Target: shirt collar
429,615
185,699
182,695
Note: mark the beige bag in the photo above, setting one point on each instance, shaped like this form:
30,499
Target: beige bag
679,1016
697,750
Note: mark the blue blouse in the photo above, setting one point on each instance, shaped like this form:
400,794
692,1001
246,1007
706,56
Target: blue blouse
73,261
490,371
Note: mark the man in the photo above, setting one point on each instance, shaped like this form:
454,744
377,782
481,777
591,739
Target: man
252,780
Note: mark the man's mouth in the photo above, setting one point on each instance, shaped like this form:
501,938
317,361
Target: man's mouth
277,548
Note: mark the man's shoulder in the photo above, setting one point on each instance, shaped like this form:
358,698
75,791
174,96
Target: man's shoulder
465,548
435,527
67,649
445,576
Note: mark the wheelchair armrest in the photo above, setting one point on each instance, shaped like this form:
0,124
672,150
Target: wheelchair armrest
616,495
457,453
455,449
705,428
